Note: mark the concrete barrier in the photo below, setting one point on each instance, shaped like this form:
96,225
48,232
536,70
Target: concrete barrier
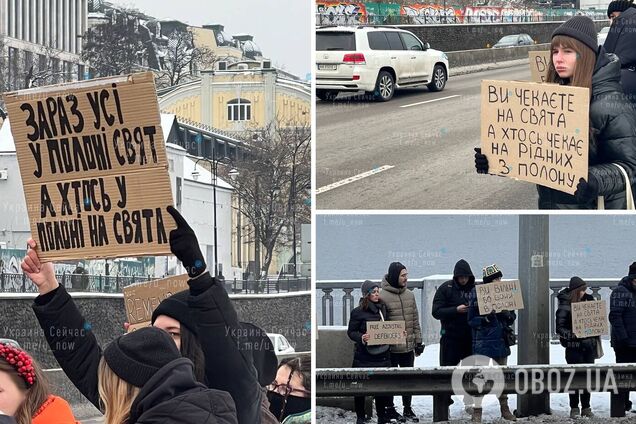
481,56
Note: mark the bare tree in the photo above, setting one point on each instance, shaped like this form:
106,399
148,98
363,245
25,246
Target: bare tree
181,59
273,181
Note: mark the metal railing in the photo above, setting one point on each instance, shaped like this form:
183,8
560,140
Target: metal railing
353,20
438,382
268,285
20,283
325,297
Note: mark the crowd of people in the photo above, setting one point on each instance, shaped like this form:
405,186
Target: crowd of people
185,368
465,332
609,72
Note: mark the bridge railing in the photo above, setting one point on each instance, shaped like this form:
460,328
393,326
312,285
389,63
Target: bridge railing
328,291
438,382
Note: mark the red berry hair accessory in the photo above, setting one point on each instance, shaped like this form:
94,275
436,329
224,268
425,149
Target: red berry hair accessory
21,361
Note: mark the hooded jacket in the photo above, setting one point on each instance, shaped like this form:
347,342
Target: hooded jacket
364,355
564,324
621,40
172,396
401,306
613,125
622,316
488,330
447,298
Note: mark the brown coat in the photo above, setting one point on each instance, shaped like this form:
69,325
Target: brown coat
401,306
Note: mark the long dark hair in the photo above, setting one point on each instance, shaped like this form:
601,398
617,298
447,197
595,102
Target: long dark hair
191,349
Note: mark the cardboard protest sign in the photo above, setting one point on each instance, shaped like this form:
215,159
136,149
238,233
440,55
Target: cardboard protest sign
140,300
539,62
589,318
536,132
386,332
499,296
94,169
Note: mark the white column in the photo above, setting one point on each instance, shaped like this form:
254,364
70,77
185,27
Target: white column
41,25
59,24
18,34
46,10
4,17
33,17
26,16
71,26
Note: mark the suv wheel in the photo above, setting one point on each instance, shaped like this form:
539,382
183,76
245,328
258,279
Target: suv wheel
439,79
384,87
327,95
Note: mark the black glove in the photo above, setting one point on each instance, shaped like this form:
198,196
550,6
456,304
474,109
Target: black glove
481,161
491,317
587,190
419,349
185,246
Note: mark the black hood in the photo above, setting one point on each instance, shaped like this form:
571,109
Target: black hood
172,380
607,73
462,268
627,283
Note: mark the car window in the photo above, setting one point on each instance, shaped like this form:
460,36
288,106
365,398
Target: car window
395,42
410,41
378,41
329,40
509,39
283,343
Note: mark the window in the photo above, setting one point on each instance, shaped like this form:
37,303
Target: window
239,110
394,41
331,40
378,41
411,42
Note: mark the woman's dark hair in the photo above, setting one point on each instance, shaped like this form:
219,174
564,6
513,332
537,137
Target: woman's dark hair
586,61
574,294
191,349
364,303
302,366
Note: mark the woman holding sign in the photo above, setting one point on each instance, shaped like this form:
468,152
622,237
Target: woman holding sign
371,309
578,61
490,338
577,350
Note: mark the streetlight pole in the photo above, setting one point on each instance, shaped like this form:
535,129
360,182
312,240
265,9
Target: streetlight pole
213,168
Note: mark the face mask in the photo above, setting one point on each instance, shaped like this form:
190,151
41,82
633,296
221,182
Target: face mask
294,405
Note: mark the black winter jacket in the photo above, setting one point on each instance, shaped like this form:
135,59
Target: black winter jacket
447,298
363,355
211,308
613,126
622,316
621,40
172,396
564,324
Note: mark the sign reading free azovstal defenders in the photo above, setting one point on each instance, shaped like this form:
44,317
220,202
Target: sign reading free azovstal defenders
536,132
94,169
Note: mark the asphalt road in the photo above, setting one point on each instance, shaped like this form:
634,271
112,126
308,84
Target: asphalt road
419,156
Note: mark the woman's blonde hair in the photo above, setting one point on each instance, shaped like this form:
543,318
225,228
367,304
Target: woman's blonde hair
585,63
36,395
116,395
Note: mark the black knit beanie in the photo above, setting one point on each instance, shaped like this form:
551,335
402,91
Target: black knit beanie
176,306
576,282
618,6
632,271
394,273
580,28
135,357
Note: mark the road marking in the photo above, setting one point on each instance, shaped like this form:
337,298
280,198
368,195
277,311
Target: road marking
353,179
431,101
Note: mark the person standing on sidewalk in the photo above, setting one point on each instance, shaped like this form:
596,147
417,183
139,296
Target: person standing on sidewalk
489,338
450,306
371,308
621,40
622,318
401,306
577,350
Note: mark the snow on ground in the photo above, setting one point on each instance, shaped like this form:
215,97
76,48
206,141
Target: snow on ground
423,405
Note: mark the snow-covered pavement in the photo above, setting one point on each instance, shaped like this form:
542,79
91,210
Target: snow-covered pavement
423,405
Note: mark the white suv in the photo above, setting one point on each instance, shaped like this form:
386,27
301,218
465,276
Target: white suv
375,59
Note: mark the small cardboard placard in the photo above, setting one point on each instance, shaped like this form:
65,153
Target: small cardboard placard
539,62
386,332
94,169
499,296
536,132
589,319
140,300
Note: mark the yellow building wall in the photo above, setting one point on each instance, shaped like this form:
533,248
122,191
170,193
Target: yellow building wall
189,108
204,37
292,111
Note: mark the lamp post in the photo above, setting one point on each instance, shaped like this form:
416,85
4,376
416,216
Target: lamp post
195,174
233,174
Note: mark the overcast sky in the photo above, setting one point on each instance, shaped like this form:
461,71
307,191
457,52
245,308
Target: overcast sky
281,28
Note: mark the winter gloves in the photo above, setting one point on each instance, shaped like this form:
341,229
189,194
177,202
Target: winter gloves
419,349
185,246
587,190
481,161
